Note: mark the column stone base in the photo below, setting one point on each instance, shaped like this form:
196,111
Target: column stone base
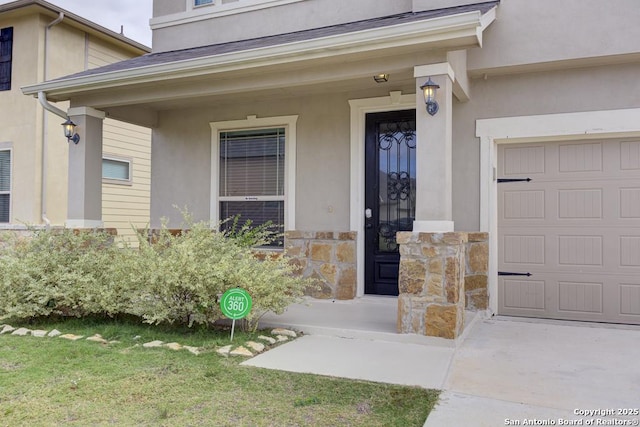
431,283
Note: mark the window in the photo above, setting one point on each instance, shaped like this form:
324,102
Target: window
202,2
5,185
253,170
6,50
116,170
252,176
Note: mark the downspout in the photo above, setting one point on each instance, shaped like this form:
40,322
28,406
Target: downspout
45,122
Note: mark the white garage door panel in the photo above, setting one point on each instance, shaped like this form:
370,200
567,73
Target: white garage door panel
575,228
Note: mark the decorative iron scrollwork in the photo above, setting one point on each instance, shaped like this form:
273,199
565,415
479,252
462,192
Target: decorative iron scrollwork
397,133
398,186
396,157
388,232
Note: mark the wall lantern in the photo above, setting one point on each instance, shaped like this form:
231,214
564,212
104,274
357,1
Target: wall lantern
429,89
381,78
70,131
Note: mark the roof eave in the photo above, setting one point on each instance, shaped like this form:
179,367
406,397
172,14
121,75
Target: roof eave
464,29
79,20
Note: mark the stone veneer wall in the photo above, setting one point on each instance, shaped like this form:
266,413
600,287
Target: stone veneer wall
329,257
477,268
431,283
441,275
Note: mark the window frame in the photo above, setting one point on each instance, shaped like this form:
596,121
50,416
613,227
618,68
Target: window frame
253,123
8,192
193,13
195,6
120,159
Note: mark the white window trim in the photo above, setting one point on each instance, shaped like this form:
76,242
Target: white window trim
396,101
8,147
122,159
543,128
289,123
195,13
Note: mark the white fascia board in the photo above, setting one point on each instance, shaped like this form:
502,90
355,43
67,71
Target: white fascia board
486,20
451,27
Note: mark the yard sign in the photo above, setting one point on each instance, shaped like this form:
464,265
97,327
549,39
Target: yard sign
235,304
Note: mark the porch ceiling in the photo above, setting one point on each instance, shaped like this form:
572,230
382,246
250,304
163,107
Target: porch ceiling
332,59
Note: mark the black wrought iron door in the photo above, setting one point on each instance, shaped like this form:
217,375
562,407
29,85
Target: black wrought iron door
390,195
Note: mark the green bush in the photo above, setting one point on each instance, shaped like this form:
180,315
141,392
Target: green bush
63,272
168,278
180,277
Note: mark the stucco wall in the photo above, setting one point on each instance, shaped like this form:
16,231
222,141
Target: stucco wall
181,159
529,94
19,126
168,7
182,143
259,23
541,31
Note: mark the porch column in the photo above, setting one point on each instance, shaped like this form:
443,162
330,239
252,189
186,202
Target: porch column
431,298
84,209
434,206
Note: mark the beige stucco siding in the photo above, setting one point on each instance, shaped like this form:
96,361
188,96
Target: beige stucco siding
70,50
19,124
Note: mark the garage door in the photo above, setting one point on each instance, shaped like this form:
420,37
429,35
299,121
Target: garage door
575,228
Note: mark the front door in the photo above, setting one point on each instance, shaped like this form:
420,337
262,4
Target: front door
390,195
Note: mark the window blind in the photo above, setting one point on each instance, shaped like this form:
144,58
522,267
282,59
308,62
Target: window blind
116,169
252,163
252,177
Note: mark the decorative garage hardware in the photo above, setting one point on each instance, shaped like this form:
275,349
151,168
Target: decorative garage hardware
501,180
508,273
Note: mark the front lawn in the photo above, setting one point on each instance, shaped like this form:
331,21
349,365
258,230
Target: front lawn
53,382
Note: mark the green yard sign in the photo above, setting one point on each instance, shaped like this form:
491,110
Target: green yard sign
235,304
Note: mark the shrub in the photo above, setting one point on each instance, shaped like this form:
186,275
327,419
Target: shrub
170,278
179,278
60,271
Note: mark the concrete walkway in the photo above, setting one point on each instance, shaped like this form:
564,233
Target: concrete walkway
516,370
503,372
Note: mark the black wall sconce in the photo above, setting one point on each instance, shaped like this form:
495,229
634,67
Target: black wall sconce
70,131
429,90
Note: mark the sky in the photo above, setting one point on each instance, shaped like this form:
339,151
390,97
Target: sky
133,14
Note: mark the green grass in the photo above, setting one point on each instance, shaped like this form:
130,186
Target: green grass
53,382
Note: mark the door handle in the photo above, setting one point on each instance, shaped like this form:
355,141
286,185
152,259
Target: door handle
367,213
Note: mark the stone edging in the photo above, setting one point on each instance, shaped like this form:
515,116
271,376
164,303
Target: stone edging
249,349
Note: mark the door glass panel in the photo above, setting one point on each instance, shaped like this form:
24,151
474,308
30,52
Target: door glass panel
397,186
